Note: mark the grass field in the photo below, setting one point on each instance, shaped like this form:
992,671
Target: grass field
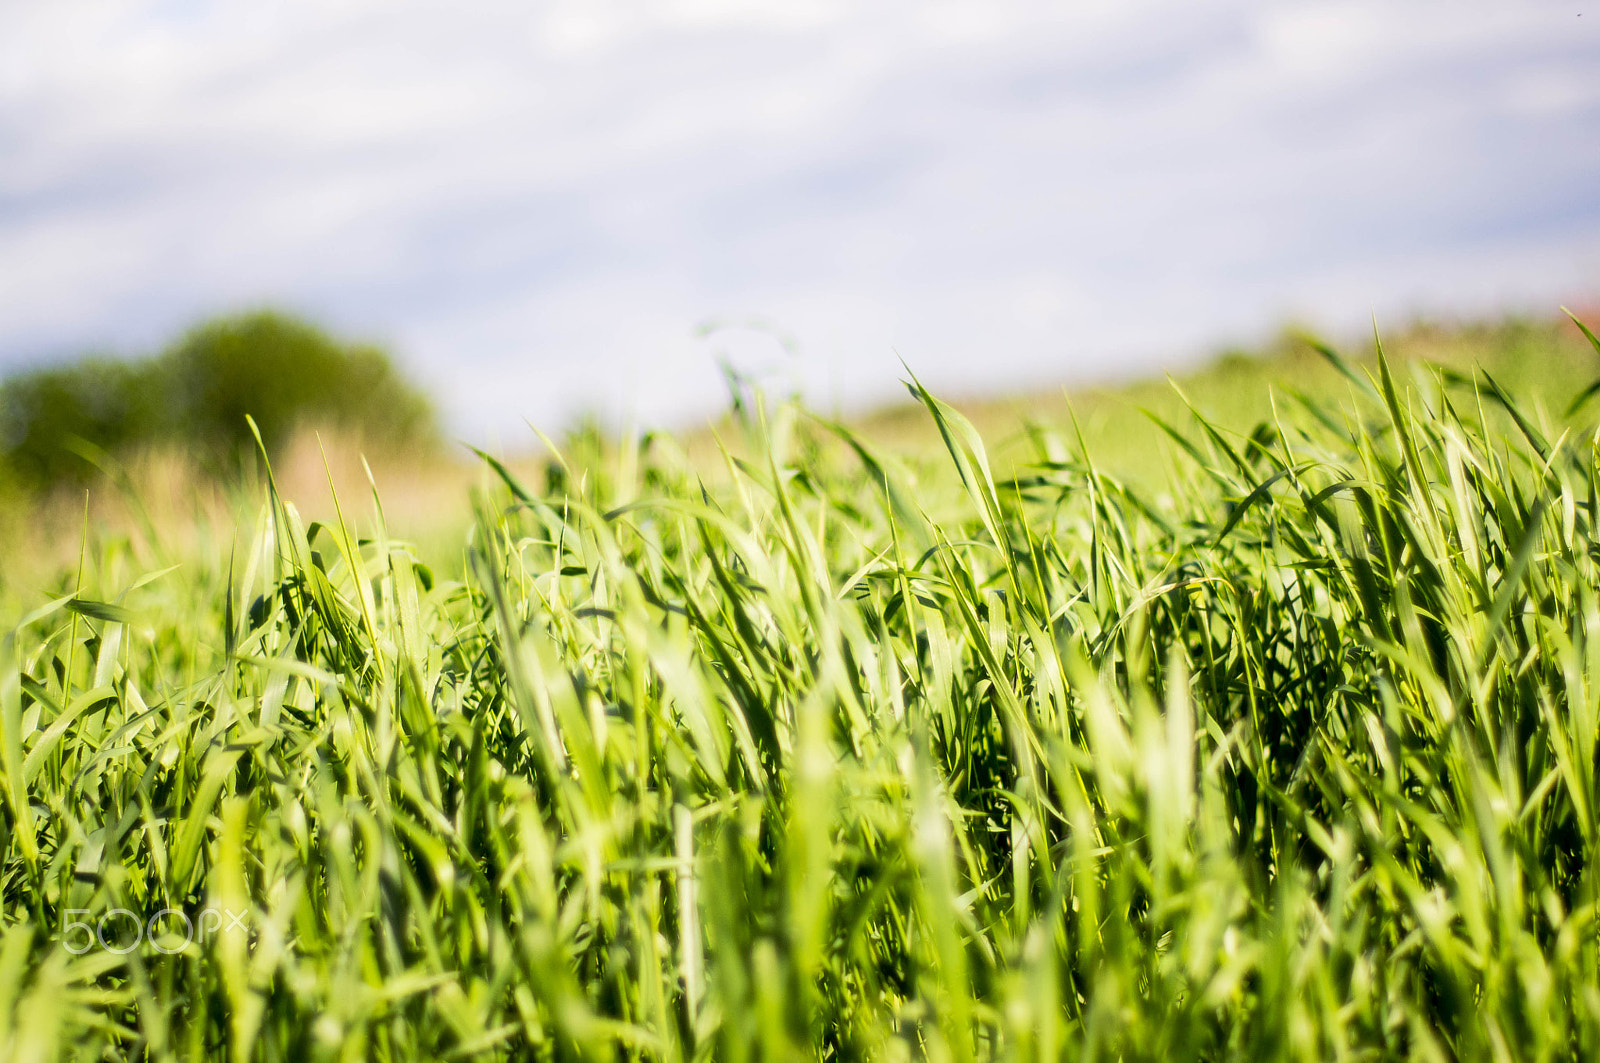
1284,747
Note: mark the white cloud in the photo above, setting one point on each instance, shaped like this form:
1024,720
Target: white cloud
538,204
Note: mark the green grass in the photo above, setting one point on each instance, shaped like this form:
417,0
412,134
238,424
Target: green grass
1544,362
1293,755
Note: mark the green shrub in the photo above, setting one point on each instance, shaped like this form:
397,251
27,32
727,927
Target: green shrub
285,374
281,371
46,416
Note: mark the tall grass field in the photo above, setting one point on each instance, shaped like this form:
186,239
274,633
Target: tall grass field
816,752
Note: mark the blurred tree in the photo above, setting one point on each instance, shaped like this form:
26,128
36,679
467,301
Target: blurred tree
285,373
47,414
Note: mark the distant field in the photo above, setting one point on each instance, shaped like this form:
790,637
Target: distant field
1273,733
1546,363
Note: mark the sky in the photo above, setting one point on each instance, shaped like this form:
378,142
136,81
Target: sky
547,210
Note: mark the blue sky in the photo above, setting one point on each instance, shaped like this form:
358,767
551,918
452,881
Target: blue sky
542,207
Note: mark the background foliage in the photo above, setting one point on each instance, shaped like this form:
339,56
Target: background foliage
282,371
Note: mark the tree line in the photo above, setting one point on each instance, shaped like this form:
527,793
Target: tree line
285,373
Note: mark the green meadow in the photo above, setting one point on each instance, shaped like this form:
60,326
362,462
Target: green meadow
1251,717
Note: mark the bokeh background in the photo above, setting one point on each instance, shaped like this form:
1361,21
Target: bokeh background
546,210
